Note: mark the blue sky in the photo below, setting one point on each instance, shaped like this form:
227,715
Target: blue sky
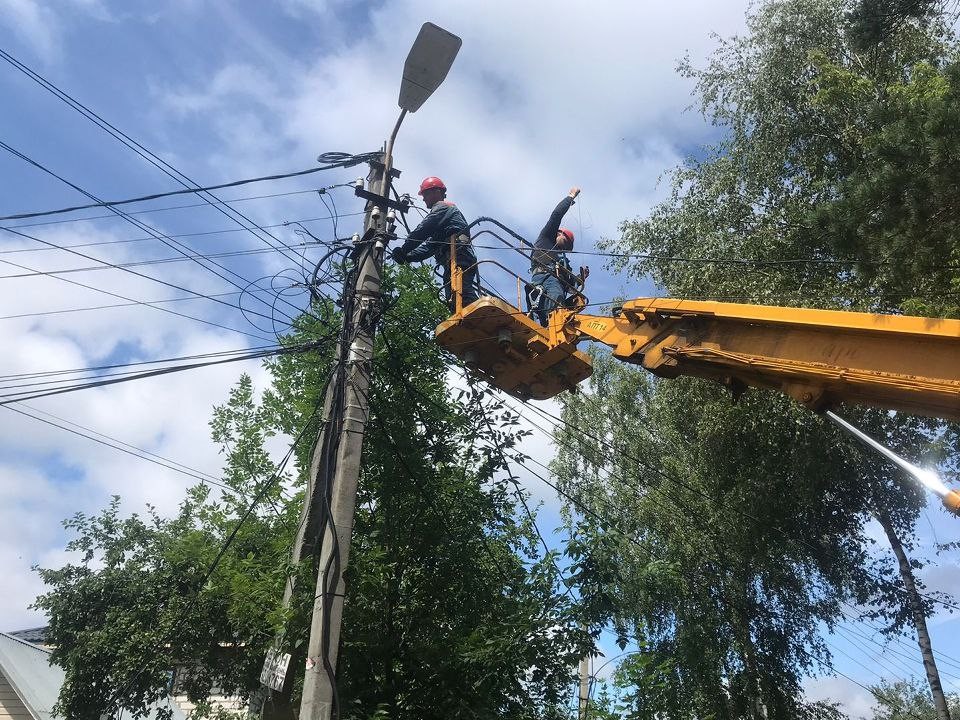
542,97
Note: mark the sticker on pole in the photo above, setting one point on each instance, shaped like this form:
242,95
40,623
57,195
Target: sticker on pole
275,669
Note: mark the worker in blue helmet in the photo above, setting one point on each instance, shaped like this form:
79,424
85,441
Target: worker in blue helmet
432,238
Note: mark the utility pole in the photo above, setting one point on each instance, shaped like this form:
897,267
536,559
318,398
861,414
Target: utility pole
344,440
331,494
584,695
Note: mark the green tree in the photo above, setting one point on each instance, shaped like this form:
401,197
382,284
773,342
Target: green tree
741,525
451,611
733,531
834,172
909,700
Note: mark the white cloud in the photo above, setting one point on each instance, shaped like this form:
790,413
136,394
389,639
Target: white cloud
35,23
40,23
538,100
47,474
854,700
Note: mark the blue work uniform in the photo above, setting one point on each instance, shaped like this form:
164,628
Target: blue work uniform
550,269
431,238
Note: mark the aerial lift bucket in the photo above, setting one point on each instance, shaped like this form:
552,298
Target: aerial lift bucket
499,341
509,349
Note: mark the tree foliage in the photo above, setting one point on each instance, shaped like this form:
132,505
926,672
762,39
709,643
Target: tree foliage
739,527
835,170
734,532
451,611
909,700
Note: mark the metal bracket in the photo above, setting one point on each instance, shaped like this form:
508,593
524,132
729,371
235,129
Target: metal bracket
394,173
381,201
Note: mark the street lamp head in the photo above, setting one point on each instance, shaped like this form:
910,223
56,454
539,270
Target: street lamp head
427,65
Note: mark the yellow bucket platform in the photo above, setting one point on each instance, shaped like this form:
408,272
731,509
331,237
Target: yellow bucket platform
511,351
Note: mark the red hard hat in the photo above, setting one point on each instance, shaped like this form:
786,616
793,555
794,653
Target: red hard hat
568,233
431,182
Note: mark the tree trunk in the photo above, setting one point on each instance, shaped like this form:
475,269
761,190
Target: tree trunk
919,619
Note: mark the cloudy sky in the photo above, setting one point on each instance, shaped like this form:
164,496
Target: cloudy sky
543,96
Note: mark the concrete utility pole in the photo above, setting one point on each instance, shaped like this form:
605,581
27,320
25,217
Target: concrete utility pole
335,464
584,695
335,469
345,439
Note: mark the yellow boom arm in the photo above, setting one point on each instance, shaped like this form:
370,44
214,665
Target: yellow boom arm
818,357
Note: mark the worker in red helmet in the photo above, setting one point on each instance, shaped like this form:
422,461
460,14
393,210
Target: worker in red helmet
431,238
553,277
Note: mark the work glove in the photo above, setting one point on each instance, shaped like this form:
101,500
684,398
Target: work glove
398,255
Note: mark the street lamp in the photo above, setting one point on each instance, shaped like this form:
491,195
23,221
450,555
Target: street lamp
928,478
338,452
426,67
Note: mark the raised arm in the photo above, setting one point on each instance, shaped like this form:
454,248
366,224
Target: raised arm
548,236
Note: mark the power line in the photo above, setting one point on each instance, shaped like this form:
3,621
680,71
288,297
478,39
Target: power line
150,304
127,270
118,445
7,398
606,522
127,448
116,699
204,233
356,160
898,658
705,261
675,481
942,657
183,207
670,258
138,363
156,261
445,515
183,249
411,390
661,491
330,159
43,313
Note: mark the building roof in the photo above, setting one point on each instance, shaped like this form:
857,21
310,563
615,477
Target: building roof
27,668
35,681
31,635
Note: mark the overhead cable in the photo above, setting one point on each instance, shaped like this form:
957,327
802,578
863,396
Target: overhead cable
43,313
156,261
185,206
8,398
150,304
330,159
138,363
353,160
183,249
663,475
125,269
115,701
119,445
